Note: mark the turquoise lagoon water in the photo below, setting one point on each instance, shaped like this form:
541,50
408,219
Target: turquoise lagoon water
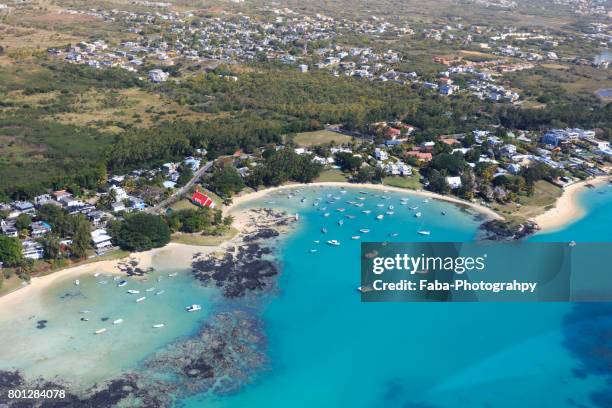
67,348
326,348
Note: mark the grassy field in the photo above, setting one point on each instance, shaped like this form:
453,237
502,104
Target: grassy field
411,183
203,240
11,284
331,175
320,137
544,197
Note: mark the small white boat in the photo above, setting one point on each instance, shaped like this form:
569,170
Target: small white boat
102,282
366,211
324,230
341,209
96,274
150,289
158,326
390,213
193,308
326,215
425,200
356,237
414,208
391,207
424,232
340,222
133,292
334,242
418,214
312,251
361,198
380,205
116,278
84,311
122,283
77,282
380,217
443,213
173,274
297,216
364,230
160,292
99,331
118,321
316,241
572,243
140,299
394,234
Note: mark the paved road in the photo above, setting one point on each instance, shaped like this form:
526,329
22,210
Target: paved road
178,193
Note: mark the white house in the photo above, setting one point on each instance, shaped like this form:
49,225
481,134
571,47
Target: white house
32,250
157,75
381,154
101,240
454,182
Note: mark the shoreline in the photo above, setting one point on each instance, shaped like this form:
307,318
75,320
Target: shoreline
144,259
245,198
567,209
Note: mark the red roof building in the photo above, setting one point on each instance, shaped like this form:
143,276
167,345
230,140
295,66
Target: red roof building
202,200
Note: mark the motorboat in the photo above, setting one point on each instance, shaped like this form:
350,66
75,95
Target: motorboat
118,321
140,299
424,232
158,325
100,331
193,308
356,237
364,230
334,242
380,217
418,214
77,282
122,283
133,292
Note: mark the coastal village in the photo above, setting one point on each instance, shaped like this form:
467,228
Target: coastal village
493,166
575,154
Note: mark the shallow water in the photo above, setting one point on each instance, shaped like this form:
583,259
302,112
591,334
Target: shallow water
67,347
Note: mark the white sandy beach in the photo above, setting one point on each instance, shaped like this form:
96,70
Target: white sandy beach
179,255
567,209
241,199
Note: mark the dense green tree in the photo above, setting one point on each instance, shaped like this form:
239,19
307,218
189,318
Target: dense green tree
23,221
51,245
225,180
348,162
81,238
141,232
10,251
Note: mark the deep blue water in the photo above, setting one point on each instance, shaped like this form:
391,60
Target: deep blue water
328,349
